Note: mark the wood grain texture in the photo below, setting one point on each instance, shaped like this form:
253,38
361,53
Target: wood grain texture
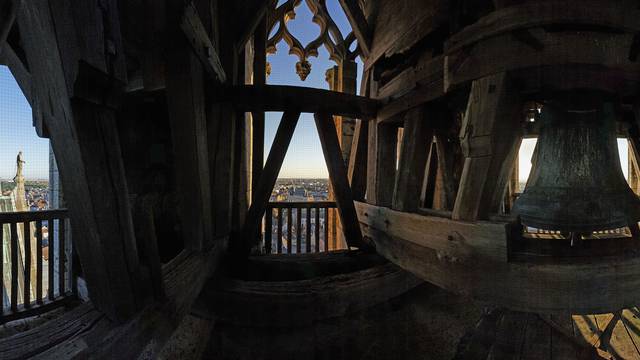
471,259
490,137
359,24
606,50
187,115
622,15
414,152
293,98
339,180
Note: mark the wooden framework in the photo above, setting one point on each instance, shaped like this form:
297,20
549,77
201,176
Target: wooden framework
77,61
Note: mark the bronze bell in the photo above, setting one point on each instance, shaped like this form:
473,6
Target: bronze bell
576,182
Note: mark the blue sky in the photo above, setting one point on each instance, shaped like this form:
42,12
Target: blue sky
304,158
18,134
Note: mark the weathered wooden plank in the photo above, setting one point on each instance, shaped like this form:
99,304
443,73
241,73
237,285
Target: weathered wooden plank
22,216
292,98
537,343
427,193
381,163
490,139
632,325
261,8
51,261
39,272
359,24
400,24
339,181
269,175
471,258
19,71
221,142
416,85
14,267
8,11
414,152
614,337
357,170
259,78
302,204
26,226
622,15
607,50
187,115
62,256
201,44
103,259
510,336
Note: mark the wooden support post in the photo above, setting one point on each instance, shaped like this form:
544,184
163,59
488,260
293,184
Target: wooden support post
381,163
414,152
427,194
634,148
258,118
202,45
269,176
73,95
358,160
8,11
490,136
339,180
359,24
186,102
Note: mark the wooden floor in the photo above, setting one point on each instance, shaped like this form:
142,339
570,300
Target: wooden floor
504,334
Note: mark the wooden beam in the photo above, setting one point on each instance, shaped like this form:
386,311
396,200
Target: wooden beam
339,180
490,136
359,24
19,71
84,137
622,16
470,258
608,51
292,98
8,12
201,44
413,87
357,171
381,163
186,103
414,151
259,78
262,8
269,175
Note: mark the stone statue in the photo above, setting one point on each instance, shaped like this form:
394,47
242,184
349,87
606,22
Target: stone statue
19,162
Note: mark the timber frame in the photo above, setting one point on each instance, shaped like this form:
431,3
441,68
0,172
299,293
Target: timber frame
449,127
426,182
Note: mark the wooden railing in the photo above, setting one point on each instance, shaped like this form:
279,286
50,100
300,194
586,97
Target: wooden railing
36,267
300,227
